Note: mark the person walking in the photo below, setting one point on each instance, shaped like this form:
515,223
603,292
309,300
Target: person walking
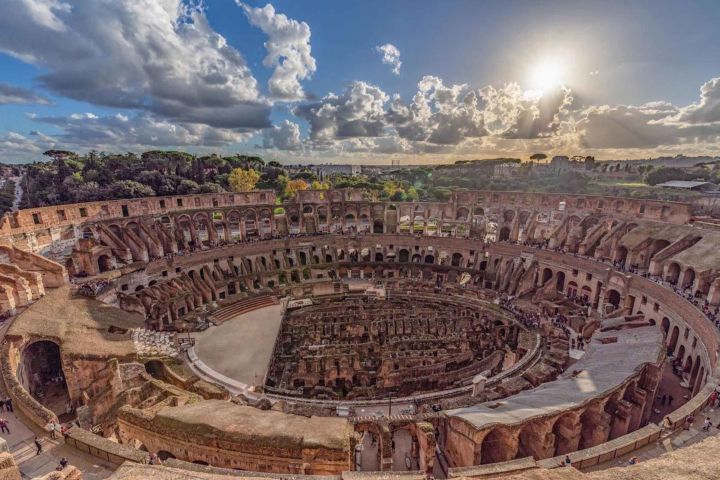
38,445
4,426
9,405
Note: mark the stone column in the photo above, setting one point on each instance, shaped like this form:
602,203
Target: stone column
621,419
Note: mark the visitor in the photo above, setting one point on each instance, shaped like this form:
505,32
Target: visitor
9,405
38,445
707,424
633,461
50,427
4,426
567,462
63,464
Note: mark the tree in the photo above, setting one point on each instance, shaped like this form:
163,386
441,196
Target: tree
293,186
662,175
538,157
317,185
130,189
243,180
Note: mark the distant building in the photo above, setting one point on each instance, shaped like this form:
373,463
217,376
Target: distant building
689,185
333,169
506,170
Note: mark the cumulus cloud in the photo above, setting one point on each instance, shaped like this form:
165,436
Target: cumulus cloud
288,50
390,55
438,115
156,57
358,112
285,136
705,111
10,94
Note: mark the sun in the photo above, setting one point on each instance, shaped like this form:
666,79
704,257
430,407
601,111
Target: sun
548,73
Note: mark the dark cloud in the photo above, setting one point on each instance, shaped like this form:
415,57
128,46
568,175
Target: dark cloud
10,94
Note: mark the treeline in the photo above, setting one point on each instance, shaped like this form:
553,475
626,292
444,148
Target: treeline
7,196
72,178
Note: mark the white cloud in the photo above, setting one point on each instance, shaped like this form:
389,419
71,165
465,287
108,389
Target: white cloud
288,50
706,111
146,55
358,112
390,55
285,136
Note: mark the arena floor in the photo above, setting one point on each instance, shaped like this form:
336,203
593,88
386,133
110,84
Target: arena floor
241,347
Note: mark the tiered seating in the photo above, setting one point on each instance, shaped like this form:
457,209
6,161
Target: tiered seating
242,306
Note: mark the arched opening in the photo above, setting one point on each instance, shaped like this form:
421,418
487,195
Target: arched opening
560,282
462,214
672,342
416,258
688,278
673,273
41,373
497,446
164,455
378,257
156,369
456,259
567,434
680,352
504,234
665,325
404,256
613,298
378,226
546,276
621,255
694,372
429,259
136,444
104,263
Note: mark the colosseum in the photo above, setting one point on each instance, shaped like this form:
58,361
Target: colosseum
495,335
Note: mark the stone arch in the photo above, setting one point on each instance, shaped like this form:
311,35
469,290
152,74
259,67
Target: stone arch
672,341
165,455
567,430
416,258
665,323
673,273
688,278
613,297
546,275
508,216
136,444
560,281
504,234
105,263
378,256
499,445
694,371
457,259
462,214
688,364
621,254
404,255
680,353
42,375
378,226
429,259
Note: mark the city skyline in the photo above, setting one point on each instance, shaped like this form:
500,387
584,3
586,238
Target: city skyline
360,82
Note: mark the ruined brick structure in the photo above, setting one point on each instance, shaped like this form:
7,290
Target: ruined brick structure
435,336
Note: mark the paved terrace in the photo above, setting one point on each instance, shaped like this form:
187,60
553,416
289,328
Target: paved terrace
603,368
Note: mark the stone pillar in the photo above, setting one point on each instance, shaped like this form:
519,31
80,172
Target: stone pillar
595,426
568,432
478,384
638,401
621,419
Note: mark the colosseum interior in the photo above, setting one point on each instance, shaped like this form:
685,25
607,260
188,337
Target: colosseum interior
495,335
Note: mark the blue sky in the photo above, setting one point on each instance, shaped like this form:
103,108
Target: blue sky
304,81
